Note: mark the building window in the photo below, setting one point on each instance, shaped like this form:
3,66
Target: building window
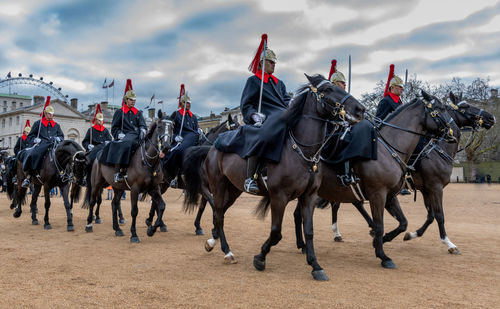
17,120
20,104
3,123
5,103
13,105
5,109
10,121
10,141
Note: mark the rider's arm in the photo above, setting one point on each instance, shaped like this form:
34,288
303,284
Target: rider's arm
116,123
86,140
250,99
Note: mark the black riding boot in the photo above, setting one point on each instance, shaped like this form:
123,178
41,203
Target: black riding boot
121,174
251,181
26,182
348,178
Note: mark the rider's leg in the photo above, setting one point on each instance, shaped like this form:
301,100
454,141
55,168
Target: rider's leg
251,181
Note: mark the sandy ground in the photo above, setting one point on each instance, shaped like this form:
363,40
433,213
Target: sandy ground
60,269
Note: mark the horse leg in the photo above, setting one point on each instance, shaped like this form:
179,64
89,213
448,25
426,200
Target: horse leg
395,210
335,228
46,193
278,204
297,218
115,203
229,194
156,196
98,219
134,195
152,212
92,202
359,206
120,213
377,207
33,208
68,207
210,243
201,209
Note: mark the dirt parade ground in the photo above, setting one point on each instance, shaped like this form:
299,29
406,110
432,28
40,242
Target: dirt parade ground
59,269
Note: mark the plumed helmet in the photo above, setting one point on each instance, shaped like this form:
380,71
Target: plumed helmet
130,95
27,129
270,55
185,98
396,81
337,77
99,116
49,109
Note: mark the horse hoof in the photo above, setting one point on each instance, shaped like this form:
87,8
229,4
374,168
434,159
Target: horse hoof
163,229
230,259
34,222
12,206
93,218
88,229
389,264
47,227
320,275
259,264
98,221
303,250
338,239
454,251
122,221
71,228
17,214
119,233
407,236
200,232
151,231
148,222
135,240
209,245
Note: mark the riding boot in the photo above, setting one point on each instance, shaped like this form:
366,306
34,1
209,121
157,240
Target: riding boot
123,171
118,175
26,182
251,181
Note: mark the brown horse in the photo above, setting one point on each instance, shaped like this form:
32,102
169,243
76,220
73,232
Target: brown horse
382,179
57,171
144,177
295,176
434,165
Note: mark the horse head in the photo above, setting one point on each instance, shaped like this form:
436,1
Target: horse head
468,115
335,102
165,132
437,118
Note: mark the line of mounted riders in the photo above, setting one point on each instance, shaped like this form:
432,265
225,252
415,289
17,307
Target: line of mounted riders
319,147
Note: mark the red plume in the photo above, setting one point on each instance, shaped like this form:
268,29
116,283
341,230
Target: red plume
181,93
254,65
97,111
391,75
27,124
128,87
47,103
333,68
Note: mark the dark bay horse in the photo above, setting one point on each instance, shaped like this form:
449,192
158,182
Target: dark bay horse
57,171
382,179
168,175
295,176
432,174
144,177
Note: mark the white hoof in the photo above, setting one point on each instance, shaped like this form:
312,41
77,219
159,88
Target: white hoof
230,259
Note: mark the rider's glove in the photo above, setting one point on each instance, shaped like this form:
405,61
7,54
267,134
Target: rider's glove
58,139
142,133
200,131
258,119
178,139
90,147
121,136
37,140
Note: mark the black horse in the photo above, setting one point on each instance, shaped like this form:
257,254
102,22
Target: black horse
57,171
168,174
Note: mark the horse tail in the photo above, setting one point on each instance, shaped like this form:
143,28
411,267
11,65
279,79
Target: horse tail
263,207
75,192
22,196
88,191
11,188
191,170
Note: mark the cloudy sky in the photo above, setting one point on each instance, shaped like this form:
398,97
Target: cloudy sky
208,45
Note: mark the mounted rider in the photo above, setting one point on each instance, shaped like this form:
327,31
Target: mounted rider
186,134
392,95
45,133
264,133
128,128
21,144
96,136
336,77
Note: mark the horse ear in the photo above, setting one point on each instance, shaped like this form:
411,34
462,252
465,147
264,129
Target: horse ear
453,98
308,78
160,114
426,96
229,118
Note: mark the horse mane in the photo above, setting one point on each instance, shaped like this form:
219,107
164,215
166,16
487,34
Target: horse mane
292,114
151,130
400,109
65,144
214,129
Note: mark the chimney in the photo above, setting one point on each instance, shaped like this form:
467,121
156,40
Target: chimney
104,105
74,103
151,113
38,99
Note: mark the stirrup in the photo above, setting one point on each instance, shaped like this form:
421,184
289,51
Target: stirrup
405,192
119,177
14,180
174,184
26,183
251,186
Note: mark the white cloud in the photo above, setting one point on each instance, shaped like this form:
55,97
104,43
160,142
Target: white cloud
50,27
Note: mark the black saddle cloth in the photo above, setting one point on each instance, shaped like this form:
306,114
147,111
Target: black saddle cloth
359,143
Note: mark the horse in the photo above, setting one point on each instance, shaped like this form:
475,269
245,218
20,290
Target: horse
432,174
144,177
295,176
168,175
57,171
382,179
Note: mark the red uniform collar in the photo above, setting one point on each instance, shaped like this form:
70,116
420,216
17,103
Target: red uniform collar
394,97
24,137
98,127
45,122
266,76
182,112
126,109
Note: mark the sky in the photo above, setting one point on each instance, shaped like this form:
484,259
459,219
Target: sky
208,45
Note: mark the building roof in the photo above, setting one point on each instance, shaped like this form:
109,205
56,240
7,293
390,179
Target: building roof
15,96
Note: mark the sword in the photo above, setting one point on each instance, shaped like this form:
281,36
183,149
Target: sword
406,79
185,112
349,86
262,77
